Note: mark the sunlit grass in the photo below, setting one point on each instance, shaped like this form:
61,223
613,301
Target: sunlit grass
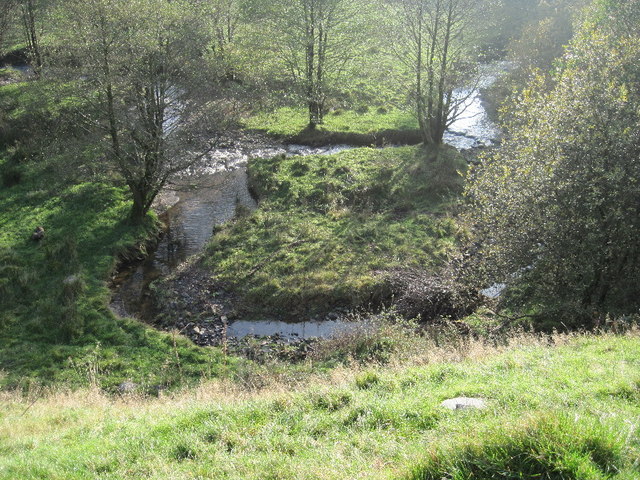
562,411
287,122
329,227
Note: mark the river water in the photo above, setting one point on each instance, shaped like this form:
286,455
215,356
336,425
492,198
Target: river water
201,198
209,194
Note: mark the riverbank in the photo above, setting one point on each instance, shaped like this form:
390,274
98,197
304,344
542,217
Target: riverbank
329,229
60,328
560,407
55,325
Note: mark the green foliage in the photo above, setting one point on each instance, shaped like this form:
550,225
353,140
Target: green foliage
140,115
328,227
557,204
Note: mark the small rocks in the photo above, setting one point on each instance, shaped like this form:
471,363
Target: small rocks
200,308
71,280
461,403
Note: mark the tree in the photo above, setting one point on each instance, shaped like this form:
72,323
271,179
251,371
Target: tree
433,39
30,11
148,91
6,13
225,16
317,40
557,207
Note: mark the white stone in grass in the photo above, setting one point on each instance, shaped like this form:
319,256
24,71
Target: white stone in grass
464,402
127,387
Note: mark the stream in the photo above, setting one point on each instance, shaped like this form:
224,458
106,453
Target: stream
208,194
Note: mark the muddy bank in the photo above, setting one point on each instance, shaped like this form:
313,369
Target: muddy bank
204,310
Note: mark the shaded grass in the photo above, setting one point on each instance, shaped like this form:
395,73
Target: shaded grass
553,413
328,227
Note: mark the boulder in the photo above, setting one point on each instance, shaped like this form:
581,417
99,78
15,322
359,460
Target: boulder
460,403
38,234
127,387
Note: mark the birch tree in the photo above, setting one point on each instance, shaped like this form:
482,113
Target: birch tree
30,13
318,40
139,62
433,43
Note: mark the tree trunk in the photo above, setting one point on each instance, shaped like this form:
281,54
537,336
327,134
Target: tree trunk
315,114
139,208
31,35
137,214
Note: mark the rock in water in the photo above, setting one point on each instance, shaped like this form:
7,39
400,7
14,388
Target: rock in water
464,402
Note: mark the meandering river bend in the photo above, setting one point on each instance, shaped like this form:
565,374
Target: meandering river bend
210,192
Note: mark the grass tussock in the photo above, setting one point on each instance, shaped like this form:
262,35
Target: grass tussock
553,413
329,227
549,446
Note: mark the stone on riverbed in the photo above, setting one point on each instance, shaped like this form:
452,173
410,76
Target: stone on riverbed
463,403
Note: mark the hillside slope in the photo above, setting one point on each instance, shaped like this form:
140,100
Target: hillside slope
565,407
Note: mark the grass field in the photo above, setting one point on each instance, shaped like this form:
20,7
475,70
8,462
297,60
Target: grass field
363,128
329,228
291,121
559,408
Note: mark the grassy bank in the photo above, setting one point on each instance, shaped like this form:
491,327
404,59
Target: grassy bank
562,408
55,326
330,227
368,127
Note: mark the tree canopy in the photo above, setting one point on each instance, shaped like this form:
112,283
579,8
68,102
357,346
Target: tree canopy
557,208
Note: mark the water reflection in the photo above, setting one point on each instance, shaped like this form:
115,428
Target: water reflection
291,331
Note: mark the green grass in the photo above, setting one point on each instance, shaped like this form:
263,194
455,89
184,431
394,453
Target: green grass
340,126
55,326
564,412
291,121
329,227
